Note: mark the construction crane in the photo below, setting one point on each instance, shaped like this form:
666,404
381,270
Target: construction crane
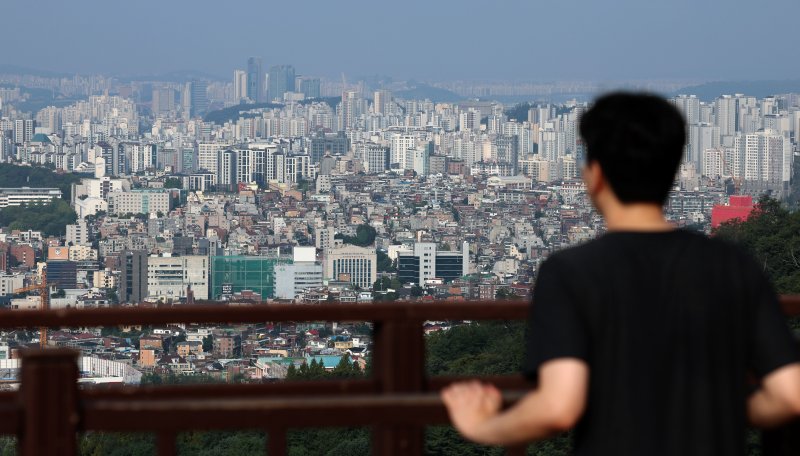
44,302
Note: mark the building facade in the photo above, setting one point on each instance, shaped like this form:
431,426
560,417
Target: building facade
139,201
170,276
425,262
26,195
234,274
303,273
349,263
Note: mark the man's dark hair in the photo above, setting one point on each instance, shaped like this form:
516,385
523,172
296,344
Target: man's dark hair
638,141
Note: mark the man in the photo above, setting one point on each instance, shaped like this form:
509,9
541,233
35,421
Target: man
643,338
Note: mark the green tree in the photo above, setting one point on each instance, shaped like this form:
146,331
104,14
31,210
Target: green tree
385,283
302,184
173,182
519,111
329,442
384,263
487,348
37,177
505,293
112,295
51,219
8,446
291,372
365,236
208,343
221,443
770,235
346,368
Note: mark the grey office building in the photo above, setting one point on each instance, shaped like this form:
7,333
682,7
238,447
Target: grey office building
199,98
281,80
425,262
255,79
133,277
336,144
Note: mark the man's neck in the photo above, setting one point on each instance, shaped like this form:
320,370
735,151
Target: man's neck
636,217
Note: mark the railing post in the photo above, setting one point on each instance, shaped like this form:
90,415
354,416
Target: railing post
167,445
399,367
49,396
277,441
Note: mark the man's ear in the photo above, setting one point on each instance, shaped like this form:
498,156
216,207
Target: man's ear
593,177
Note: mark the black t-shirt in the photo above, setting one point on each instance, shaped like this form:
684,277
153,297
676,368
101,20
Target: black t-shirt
670,323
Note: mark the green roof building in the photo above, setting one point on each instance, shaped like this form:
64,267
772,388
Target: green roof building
233,274
41,138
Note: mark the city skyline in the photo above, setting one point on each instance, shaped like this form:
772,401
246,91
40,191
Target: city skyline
467,41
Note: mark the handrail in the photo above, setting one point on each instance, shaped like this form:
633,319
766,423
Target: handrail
398,400
468,310
189,414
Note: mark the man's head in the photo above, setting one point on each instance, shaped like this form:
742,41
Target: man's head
637,141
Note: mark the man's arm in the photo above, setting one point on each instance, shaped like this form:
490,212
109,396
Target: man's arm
555,406
778,399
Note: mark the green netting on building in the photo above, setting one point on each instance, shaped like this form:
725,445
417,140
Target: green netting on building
232,274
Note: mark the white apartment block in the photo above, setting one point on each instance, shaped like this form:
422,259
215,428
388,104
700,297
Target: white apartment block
398,151
82,253
77,234
99,188
169,276
763,160
713,163
144,201
292,279
207,156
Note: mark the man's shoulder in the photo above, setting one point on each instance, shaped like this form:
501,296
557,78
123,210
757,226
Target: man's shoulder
585,254
607,245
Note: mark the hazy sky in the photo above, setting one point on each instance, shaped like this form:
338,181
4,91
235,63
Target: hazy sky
587,40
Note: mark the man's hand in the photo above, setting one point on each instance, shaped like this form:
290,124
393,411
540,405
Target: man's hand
471,405
778,399
555,406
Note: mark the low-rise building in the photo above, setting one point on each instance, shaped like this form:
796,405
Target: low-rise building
10,282
187,348
27,195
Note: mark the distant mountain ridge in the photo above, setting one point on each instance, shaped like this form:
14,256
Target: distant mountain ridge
419,91
20,70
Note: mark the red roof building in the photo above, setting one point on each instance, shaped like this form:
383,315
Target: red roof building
739,207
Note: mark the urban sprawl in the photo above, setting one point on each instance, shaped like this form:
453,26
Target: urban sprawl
281,188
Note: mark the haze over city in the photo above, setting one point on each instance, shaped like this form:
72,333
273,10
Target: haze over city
466,40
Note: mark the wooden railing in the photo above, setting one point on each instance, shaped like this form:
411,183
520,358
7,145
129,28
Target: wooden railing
397,401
